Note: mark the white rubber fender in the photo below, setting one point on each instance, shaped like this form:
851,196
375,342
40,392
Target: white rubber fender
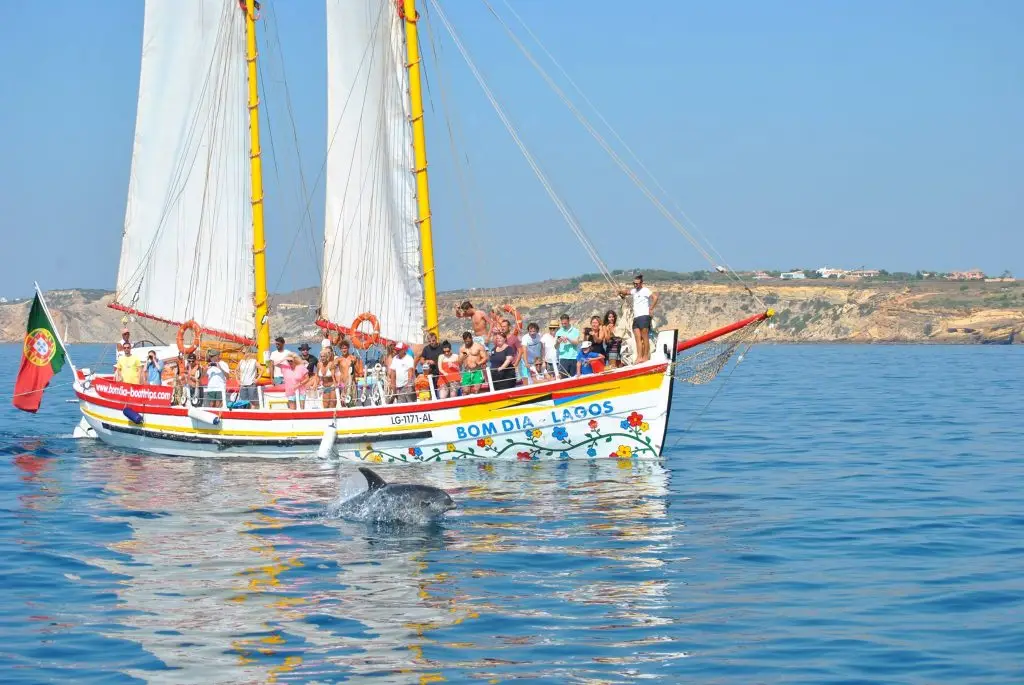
203,416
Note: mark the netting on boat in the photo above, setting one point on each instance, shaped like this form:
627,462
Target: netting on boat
702,361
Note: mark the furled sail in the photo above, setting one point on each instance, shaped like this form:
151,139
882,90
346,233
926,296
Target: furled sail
187,246
371,241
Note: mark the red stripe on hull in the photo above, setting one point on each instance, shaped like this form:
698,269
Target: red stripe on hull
486,398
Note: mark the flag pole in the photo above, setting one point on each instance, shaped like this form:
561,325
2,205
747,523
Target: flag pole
67,354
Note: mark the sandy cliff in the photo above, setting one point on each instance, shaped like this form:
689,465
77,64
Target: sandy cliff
815,311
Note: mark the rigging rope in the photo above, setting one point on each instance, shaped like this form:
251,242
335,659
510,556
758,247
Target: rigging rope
622,164
566,213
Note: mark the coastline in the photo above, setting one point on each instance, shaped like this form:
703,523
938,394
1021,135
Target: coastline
811,312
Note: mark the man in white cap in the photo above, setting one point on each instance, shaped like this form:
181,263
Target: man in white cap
401,372
126,339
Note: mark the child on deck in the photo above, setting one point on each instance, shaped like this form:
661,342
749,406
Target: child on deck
422,386
588,361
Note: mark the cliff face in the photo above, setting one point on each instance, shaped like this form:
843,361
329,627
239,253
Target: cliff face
816,311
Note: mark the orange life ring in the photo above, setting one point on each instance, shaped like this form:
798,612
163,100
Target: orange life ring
364,340
509,309
197,333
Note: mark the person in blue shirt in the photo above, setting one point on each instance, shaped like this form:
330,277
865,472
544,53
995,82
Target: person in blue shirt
154,369
586,358
567,340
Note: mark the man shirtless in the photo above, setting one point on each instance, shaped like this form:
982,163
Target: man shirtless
347,368
480,321
473,357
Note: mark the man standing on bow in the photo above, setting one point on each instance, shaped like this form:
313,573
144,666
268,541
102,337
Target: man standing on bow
643,304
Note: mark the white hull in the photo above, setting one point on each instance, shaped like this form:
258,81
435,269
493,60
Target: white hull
620,413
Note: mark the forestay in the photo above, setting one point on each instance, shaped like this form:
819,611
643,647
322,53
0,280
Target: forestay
187,246
371,241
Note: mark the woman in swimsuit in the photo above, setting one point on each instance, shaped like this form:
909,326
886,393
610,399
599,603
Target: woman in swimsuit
326,371
597,336
612,342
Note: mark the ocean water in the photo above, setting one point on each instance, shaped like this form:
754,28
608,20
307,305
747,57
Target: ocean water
837,514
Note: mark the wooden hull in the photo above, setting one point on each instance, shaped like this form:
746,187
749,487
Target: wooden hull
620,413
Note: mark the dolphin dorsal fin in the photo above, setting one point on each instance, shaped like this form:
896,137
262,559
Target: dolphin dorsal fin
372,479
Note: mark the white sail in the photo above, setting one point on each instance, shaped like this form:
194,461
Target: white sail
371,240
187,246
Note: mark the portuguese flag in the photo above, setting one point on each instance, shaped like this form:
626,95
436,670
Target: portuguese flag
42,357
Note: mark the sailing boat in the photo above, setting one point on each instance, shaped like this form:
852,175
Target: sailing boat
193,255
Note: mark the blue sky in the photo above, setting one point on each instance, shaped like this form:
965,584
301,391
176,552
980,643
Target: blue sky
842,133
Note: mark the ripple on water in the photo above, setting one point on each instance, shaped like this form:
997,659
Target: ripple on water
839,515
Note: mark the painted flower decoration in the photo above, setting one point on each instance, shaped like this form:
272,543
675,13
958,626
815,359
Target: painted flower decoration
645,426
563,455
592,424
488,442
635,419
624,424
591,452
375,457
481,443
523,456
415,452
450,447
535,433
559,433
624,452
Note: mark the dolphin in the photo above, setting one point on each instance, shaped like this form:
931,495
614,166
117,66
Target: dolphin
384,502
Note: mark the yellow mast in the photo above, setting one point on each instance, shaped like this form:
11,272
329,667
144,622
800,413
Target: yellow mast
419,144
259,243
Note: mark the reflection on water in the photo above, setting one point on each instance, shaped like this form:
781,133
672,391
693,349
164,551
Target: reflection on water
799,539
230,572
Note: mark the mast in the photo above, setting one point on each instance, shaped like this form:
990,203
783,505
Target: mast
419,144
259,243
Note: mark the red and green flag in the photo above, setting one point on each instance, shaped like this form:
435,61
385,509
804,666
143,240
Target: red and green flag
42,357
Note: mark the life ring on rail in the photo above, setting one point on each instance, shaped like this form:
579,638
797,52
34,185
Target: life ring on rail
364,340
509,309
197,334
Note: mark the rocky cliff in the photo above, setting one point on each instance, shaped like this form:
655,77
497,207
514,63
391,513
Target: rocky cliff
814,311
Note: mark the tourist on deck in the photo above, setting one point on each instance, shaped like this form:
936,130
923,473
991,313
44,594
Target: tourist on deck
501,362
179,396
422,384
480,324
429,356
597,336
643,304
126,337
348,367
309,360
194,380
400,372
294,373
567,338
539,371
550,347
154,369
277,358
515,343
588,361
612,342
248,372
128,368
327,373
532,346
216,379
473,357
451,375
